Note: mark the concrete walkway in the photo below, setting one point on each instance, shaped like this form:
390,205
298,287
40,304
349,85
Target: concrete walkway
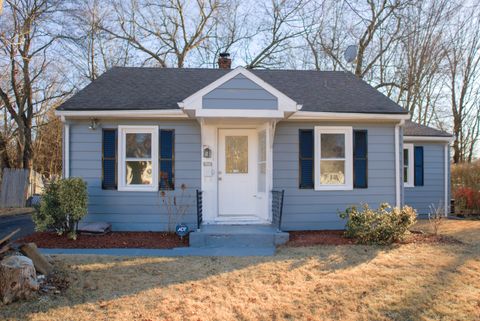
178,251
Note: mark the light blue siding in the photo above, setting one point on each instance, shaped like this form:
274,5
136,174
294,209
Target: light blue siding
307,209
433,191
239,93
135,210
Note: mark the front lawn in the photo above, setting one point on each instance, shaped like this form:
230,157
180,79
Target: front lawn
415,281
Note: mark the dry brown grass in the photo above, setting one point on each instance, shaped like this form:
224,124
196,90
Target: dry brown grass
347,282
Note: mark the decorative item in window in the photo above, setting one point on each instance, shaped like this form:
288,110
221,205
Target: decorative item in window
138,168
236,154
333,161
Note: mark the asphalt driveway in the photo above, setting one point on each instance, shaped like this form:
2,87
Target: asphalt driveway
10,223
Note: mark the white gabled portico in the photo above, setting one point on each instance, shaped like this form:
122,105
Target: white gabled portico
237,114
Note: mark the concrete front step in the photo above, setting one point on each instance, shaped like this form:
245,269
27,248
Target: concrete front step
219,235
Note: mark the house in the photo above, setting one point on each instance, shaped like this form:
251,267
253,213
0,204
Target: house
327,139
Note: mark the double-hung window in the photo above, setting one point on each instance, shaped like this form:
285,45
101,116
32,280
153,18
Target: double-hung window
138,158
408,166
333,158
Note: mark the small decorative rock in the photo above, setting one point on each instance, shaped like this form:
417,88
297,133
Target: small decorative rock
18,279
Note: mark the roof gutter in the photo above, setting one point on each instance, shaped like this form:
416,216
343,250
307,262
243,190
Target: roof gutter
167,113
439,139
312,115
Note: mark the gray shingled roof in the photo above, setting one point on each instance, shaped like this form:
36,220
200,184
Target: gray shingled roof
162,88
414,129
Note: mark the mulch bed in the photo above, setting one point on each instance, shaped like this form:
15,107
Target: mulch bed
309,238
337,237
146,240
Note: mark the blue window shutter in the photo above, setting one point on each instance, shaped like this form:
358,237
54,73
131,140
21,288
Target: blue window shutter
418,163
109,159
166,159
360,159
306,158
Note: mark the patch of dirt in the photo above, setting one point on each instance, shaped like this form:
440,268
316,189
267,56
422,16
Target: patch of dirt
309,238
420,237
57,282
337,237
150,240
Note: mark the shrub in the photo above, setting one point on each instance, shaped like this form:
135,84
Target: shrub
466,187
63,205
381,226
48,214
435,217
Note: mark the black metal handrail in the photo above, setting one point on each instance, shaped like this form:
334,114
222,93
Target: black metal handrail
277,208
199,208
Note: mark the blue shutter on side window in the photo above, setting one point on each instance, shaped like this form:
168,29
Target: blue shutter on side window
418,163
306,158
360,159
167,150
109,159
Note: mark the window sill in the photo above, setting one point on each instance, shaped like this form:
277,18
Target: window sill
408,186
334,188
138,189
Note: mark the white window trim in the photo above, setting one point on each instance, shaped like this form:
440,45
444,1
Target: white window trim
409,182
123,130
348,132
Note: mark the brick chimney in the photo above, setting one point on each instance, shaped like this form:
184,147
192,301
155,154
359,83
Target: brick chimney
224,61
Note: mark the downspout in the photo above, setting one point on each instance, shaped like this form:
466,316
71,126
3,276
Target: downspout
66,150
447,163
397,164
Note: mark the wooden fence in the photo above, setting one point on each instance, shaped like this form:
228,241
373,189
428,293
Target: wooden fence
17,186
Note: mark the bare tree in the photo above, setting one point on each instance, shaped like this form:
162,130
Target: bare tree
374,26
418,59
48,145
280,24
233,27
167,31
25,41
463,56
89,48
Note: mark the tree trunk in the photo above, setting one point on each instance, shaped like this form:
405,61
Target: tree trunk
18,279
39,261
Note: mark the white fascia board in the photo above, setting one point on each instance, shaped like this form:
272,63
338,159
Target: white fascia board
437,139
239,113
167,113
313,115
194,101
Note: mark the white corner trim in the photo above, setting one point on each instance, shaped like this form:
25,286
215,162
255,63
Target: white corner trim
166,113
348,132
66,151
194,101
122,131
427,139
397,165
239,113
313,115
446,169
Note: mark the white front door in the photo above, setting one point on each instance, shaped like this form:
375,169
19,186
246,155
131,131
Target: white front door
237,174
